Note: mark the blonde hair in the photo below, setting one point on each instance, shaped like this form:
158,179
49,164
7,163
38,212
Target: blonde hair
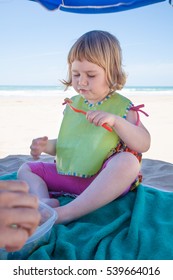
103,49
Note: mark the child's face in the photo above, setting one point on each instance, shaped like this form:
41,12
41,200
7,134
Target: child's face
89,80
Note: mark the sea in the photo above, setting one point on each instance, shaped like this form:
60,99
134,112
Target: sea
47,90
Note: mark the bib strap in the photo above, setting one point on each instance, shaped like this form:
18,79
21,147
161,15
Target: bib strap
137,109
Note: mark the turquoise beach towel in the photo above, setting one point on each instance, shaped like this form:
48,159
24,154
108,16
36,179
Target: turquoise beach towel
138,226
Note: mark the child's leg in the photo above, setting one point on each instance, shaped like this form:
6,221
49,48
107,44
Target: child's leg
36,184
111,182
43,179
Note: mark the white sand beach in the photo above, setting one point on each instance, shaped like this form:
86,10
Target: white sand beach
24,118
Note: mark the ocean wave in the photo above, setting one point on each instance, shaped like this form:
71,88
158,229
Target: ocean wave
58,91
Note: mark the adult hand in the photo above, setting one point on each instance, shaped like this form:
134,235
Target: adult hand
19,216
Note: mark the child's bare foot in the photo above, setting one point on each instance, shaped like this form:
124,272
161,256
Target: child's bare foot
52,202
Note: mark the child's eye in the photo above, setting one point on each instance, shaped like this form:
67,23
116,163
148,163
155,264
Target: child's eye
91,76
76,75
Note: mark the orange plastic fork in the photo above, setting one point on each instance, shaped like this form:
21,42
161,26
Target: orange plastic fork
69,101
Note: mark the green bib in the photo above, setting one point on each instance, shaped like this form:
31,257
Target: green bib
81,146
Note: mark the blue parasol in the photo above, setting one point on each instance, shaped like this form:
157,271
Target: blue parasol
95,6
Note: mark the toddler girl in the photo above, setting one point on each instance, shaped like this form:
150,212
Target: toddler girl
93,163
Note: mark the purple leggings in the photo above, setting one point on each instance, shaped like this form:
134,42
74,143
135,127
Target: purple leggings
58,183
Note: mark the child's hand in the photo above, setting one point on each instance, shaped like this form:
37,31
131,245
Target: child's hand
38,146
99,118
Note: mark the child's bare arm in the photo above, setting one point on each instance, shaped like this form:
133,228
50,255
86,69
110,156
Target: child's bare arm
135,137
43,145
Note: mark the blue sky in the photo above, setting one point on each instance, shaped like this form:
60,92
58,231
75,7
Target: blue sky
34,42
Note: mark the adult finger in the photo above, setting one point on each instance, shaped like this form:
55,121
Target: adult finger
14,185
26,218
18,199
13,239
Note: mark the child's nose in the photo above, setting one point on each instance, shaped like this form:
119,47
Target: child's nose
82,81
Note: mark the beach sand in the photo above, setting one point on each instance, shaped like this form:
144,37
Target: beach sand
25,118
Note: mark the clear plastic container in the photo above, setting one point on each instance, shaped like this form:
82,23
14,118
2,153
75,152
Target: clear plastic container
39,237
